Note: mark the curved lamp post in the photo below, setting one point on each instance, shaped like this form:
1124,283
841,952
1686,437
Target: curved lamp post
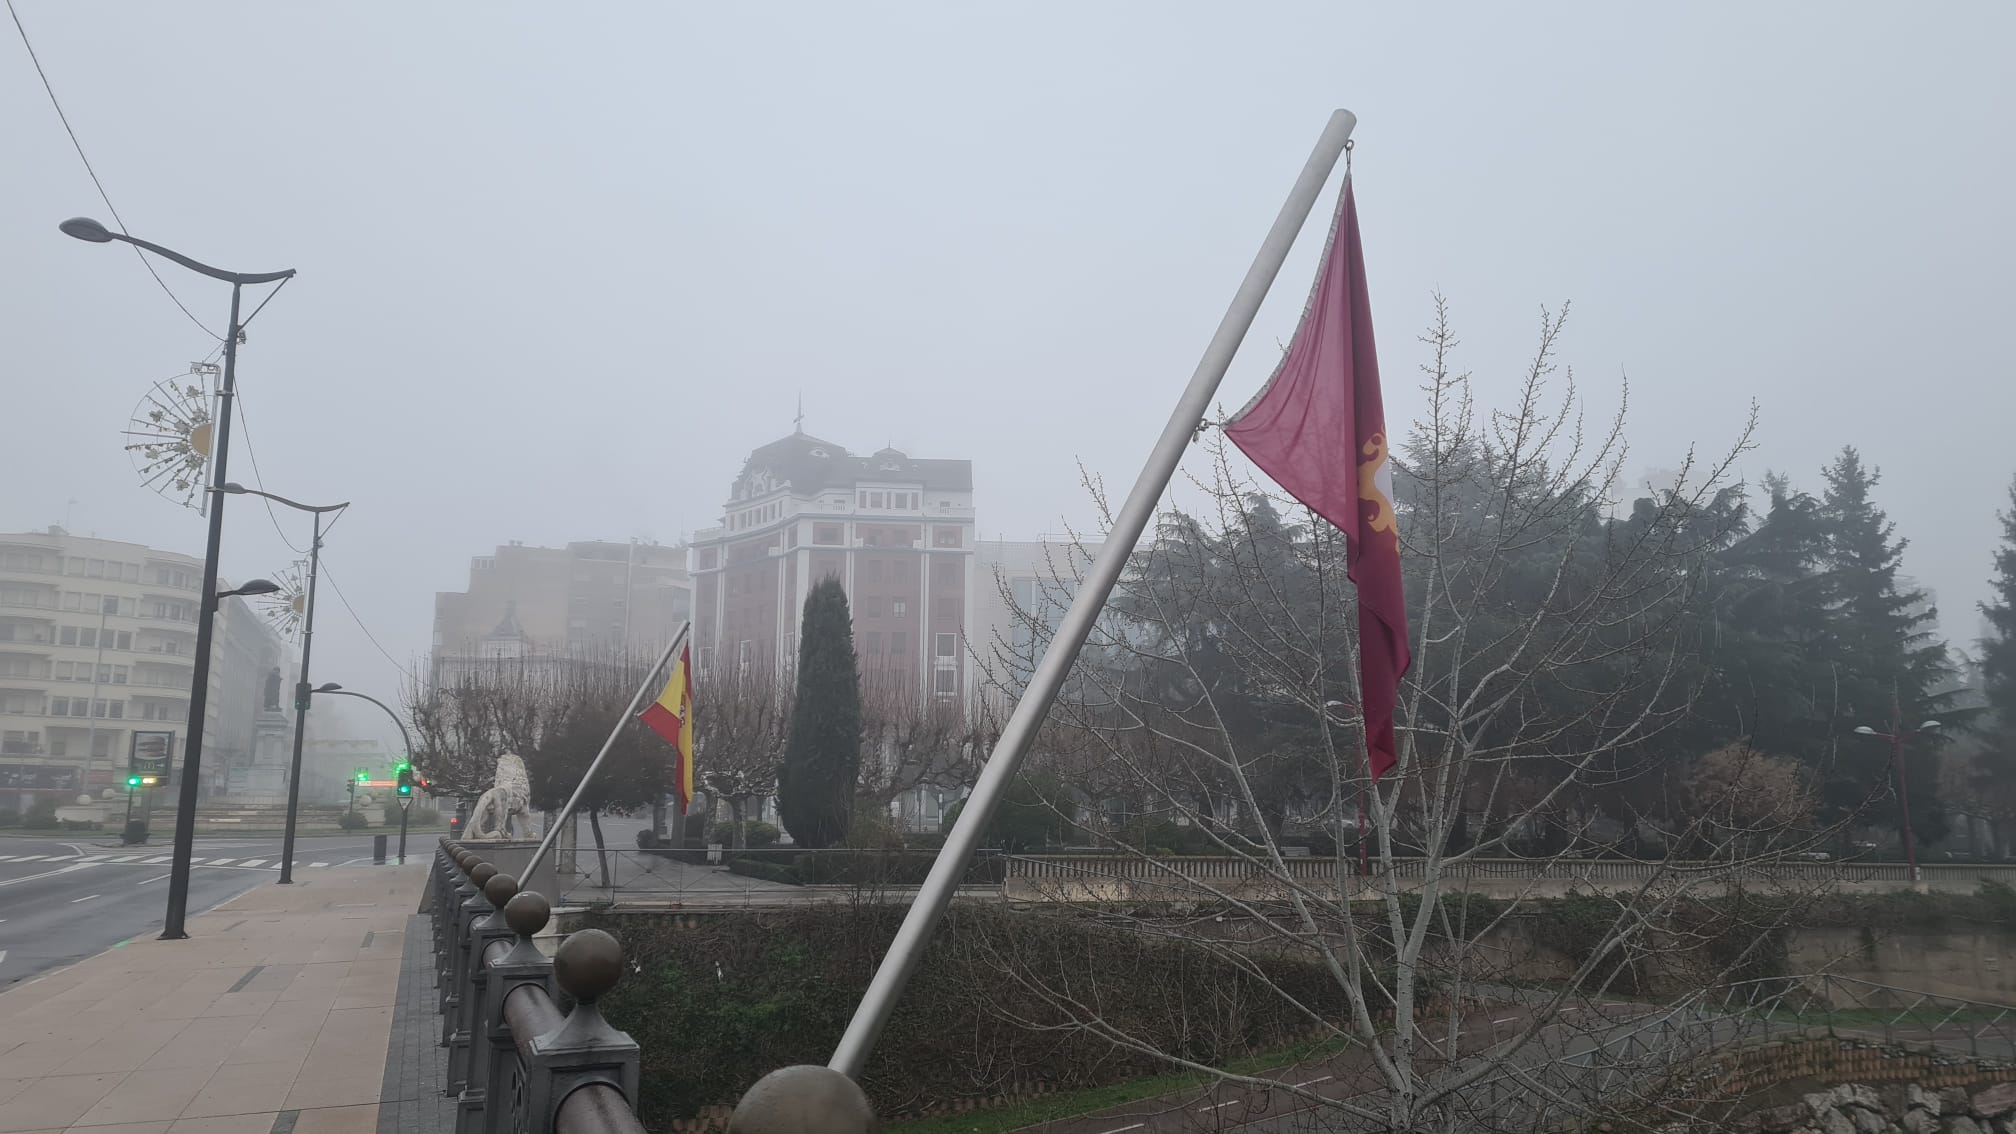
301,691
404,738
86,229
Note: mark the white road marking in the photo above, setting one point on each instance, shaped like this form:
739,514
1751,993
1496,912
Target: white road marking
156,878
74,848
31,858
353,862
318,864
1506,1020
222,861
159,858
1124,1129
94,858
3,956
1219,1105
45,874
253,862
1313,1082
85,898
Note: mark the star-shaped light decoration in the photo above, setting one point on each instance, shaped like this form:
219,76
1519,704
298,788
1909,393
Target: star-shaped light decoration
287,608
169,435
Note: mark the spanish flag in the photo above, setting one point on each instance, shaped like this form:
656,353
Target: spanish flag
671,716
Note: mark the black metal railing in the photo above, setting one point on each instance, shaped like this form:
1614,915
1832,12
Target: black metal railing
516,1062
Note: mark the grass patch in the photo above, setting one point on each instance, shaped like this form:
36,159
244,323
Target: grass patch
1069,1104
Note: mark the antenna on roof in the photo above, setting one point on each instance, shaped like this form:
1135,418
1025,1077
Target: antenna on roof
798,423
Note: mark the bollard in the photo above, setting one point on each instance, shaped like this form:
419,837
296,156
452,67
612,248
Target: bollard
377,850
584,1050
522,966
465,1062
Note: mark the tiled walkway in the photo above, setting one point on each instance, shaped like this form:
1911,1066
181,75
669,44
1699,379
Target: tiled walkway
416,1065
274,1015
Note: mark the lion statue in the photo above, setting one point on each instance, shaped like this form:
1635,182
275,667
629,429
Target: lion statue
505,811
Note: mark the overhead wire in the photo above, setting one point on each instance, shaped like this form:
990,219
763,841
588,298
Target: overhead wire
96,183
338,588
258,478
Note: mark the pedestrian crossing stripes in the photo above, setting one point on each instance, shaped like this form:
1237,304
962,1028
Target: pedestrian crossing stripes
232,863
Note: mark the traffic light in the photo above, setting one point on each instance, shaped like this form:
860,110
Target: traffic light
363,777
132,781
405,780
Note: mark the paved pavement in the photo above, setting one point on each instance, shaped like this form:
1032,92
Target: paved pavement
64,900
410,1098
274,1015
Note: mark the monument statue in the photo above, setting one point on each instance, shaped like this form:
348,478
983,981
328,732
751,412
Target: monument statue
273,690
504,811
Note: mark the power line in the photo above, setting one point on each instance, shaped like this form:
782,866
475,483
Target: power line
258,478
102,195
359,621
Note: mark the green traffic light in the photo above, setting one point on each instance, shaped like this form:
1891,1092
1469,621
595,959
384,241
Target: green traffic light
132,781
363,777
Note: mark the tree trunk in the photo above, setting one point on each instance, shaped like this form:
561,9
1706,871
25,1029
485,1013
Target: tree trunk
601,851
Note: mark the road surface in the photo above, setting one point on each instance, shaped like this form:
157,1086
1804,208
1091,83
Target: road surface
64,900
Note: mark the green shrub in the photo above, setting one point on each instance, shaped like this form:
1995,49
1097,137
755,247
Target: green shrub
768,871
353,821
422,816
715,1002
753,834
40,816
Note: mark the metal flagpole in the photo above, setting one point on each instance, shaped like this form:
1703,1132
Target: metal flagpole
936,893
567,812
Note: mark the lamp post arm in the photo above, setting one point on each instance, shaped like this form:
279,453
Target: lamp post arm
404,736
239,489
199,266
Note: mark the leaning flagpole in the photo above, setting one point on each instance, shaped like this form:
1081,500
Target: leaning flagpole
908,948
573,801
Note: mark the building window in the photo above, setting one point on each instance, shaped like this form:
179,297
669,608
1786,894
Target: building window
899,607
67,636
944,681
59,706
830,535
945,645
946,537
871,643
123,640
73,567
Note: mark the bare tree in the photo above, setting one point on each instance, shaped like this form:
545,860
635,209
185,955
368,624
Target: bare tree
1553,654
911,739
742,716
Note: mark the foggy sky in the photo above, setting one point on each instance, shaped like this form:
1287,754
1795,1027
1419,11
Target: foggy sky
562,267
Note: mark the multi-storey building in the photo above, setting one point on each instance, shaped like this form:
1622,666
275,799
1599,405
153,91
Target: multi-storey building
561,602
1024,588
897,532
98,639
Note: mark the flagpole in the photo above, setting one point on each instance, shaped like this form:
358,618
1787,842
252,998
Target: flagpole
567,812
936,893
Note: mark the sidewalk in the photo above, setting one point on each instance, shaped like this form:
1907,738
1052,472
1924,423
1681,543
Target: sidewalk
273,1016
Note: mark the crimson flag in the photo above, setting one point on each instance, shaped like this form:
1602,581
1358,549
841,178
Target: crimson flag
1319,429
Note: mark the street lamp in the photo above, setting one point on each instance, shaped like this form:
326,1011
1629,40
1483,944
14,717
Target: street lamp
301,691
1896,738
404,738
86,229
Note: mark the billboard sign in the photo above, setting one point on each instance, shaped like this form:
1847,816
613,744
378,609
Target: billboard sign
153,754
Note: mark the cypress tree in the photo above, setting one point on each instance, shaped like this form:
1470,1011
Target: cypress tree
822,757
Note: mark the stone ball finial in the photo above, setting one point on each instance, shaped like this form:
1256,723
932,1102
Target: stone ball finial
588,964
527,912
462,857
481,874
804,1100
499,890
